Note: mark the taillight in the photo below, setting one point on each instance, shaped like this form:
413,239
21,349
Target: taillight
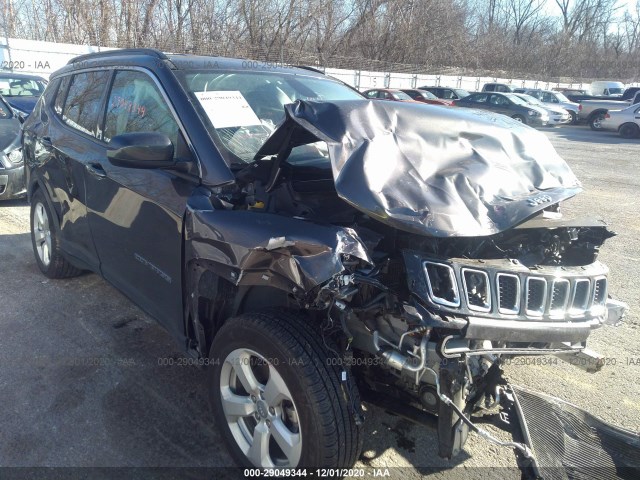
580,107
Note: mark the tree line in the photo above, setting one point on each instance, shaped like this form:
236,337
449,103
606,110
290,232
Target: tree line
553,39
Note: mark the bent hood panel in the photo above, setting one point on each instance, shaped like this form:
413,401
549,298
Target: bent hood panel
432,170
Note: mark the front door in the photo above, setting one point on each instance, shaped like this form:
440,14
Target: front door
136,215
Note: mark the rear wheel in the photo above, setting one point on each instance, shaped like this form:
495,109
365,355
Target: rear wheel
629,130
278,397
519,118
595,121
574,117
45,241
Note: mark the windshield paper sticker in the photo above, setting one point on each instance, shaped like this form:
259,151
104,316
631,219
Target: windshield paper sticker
227,109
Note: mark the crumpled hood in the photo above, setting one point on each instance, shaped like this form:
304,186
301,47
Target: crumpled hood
428,169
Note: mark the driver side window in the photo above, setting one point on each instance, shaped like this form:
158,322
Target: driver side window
136,105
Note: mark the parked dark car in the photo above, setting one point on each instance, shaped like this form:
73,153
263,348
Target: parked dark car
22,91
305,245
508,104
12,183
446,93
425,96
391,94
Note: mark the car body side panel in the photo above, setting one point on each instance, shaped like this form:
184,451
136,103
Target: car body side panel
253,248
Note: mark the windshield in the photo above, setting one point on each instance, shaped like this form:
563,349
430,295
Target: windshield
241,109
400,96
561,97
461,93
515,99
428,94
21,87
530,99
616,91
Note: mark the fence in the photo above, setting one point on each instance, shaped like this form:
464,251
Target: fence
43,58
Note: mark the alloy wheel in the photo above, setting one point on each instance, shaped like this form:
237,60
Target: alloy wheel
259,410
42,234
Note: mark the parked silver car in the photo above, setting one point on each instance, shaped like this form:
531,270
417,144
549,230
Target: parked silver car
555,98
626,121
557,115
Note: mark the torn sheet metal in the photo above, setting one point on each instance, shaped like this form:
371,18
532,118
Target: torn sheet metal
570,443
265,249
430,169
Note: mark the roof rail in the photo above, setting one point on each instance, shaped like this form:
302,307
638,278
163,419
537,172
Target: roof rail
152,52
311,69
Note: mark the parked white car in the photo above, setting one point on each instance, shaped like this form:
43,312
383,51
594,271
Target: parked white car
557,115
626,122
558,99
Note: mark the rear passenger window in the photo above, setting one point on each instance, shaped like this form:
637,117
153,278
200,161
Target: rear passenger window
60,96
136,105
84,99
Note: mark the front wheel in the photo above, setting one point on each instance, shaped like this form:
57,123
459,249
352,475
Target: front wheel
519,118
574,117
279,397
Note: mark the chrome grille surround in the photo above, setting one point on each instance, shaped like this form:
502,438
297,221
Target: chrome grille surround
517,292
435,290
486,306
506,304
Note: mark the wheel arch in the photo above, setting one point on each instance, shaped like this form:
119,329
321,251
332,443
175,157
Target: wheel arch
599,111
36,185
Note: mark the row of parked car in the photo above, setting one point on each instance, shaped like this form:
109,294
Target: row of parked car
605,106
536,108
533,107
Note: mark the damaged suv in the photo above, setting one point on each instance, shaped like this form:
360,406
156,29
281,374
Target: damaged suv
311,246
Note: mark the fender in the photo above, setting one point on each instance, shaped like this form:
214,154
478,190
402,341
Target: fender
247,250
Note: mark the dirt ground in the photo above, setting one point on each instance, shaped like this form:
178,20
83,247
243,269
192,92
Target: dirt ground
82,385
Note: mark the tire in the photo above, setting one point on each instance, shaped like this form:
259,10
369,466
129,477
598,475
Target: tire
574,118
45,241
519,118
279,351
595,121
629,130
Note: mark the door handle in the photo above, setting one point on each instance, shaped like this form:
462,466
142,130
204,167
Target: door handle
96,170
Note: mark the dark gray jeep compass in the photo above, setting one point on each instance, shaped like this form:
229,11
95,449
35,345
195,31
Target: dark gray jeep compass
317,249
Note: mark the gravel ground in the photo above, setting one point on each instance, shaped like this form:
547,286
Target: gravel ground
81,383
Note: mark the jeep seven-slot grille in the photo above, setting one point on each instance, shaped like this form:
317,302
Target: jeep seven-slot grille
515,294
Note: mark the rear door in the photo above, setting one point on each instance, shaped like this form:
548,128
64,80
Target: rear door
65,145
136,215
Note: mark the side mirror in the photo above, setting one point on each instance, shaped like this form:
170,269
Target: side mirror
141,150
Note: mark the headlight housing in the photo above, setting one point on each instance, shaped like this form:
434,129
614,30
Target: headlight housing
533,113
12,158
15,156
